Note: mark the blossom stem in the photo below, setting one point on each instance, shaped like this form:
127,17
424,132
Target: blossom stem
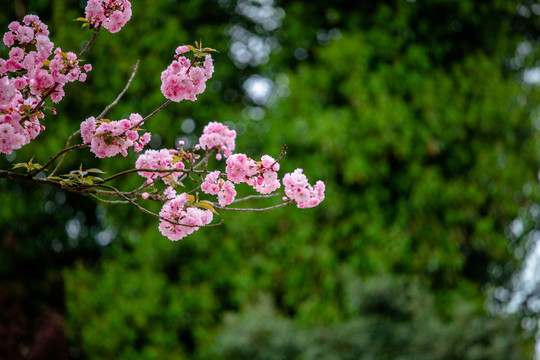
257,209
134,71
155,111
51,160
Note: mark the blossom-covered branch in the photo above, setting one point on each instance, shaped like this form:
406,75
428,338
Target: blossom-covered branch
179,178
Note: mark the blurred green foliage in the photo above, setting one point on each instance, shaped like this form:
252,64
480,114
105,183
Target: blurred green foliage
412,114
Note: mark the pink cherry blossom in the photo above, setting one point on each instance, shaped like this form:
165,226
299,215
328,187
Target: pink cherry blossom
27,75
240,168
298,189
110,138
214,185
181,219
163,159
218,136
183,80
110,14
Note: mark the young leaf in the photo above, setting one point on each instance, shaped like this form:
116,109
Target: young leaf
206,205
19,165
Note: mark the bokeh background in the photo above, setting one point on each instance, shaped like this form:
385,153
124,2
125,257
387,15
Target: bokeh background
422,119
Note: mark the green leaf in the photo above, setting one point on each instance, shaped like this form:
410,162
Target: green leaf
95,170
209,49
19,165
191,198
80,19
206,205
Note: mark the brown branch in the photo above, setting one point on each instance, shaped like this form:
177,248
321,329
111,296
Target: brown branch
255,197
80,188
109,201
51,160
283,153
148,212
164,171
68,142
155,111
135,68
257,209
96,31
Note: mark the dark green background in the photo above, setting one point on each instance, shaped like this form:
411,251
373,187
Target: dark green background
413,113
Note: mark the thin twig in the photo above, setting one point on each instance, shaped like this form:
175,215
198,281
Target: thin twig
204,159
51,160
256,209
68,142
165,171
109,201
255,197
148,212
135,68
96,31
155,111
283,153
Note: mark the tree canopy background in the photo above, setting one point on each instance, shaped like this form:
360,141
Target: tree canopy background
413,113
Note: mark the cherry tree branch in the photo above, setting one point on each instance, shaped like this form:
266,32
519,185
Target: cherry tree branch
68,142
255,197
94,36
155,111
256,209
111,105
164,171
52,89
148,212
51,160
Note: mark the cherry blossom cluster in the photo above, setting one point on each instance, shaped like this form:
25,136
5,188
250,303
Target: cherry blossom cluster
110,138
224,189
177,210
164,159
110,14
260,175
27,76
183,80
34,71
218,136
298,189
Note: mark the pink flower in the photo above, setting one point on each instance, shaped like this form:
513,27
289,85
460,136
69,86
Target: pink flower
160,160
181,49
214,185
109,139
183,81
16,54
240,168
298,189
111,14
25,34
218,136
181,219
